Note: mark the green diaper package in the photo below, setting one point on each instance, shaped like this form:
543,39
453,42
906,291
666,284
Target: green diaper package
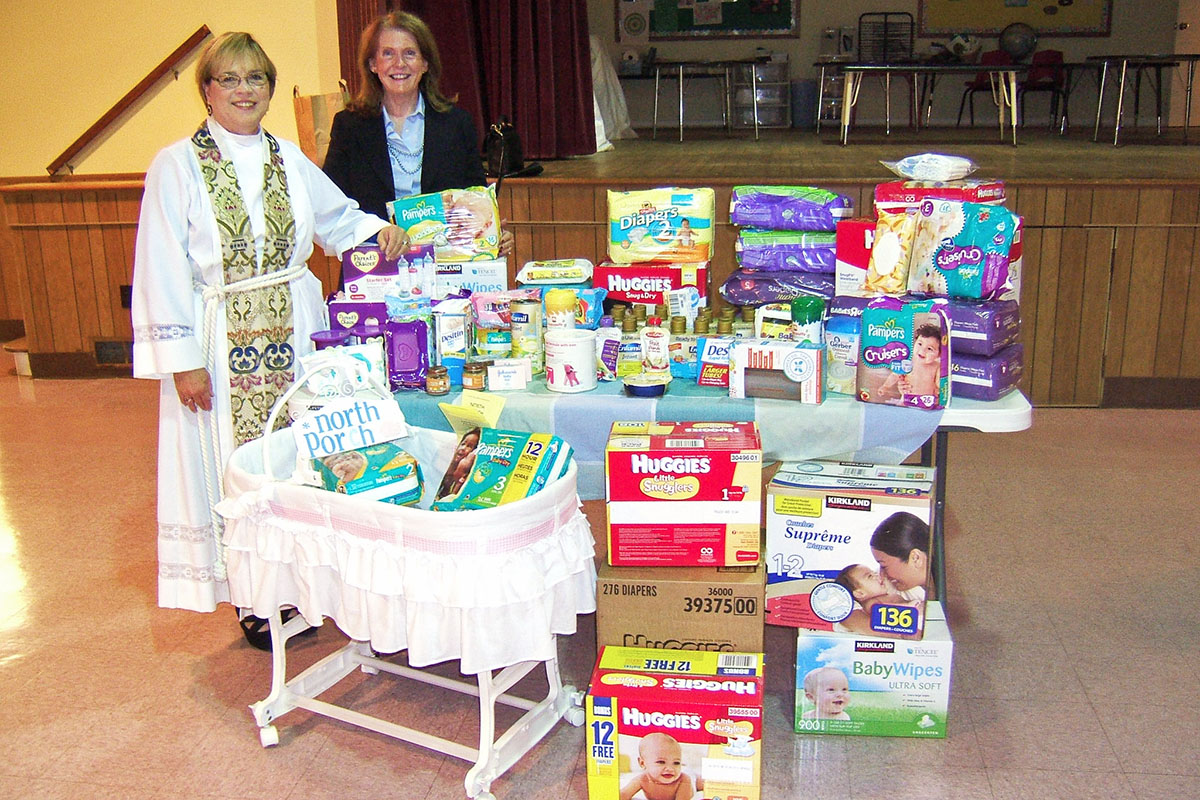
382,472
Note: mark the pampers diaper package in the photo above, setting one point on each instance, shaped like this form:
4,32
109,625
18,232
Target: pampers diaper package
853,685
662,225
460,224
961,249
701,710
493,467
904,353
381,471
821,572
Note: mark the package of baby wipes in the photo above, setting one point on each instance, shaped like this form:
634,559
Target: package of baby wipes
461,224
661,225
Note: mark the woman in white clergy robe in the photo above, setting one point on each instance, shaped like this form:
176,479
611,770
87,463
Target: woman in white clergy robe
223,301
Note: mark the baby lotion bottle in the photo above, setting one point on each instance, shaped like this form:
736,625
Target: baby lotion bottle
629,356
656,343
608,347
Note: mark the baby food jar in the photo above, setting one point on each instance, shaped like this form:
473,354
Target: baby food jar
475,375
437,381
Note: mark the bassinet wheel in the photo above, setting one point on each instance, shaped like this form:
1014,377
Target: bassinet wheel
575,716
484,796
268,735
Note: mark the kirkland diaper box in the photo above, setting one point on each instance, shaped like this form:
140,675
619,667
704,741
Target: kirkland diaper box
680,608
700,713
683,493
853,685
821,571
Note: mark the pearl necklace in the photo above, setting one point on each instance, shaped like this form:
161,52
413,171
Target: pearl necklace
408,161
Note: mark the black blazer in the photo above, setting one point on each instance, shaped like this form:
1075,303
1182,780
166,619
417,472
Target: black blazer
358,163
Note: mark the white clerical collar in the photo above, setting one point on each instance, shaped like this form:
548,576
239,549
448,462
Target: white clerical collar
238,139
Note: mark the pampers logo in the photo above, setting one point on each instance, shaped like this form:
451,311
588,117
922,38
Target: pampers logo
657,719
418,212
888,332
699,684
644,464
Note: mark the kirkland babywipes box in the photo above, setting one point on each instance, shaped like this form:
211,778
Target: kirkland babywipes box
853,685
683,493
674,723
680,608
847,547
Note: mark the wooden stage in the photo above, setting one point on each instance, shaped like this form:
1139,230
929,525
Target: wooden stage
1110,295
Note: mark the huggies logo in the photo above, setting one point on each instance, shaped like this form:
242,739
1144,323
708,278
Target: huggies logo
699,684
657,719
641,464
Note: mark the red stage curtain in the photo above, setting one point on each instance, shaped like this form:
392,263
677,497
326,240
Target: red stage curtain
454,27
352,17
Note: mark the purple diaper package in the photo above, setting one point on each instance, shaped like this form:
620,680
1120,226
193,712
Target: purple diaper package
407,345
983,328
961,249
988,378
788,208
746,288
792,251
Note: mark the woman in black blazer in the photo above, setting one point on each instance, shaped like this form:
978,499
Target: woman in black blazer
400,125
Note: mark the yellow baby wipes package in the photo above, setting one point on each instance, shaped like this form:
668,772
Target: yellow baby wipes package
662,225
461,224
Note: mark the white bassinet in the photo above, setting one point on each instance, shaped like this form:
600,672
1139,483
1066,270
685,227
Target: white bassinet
492,588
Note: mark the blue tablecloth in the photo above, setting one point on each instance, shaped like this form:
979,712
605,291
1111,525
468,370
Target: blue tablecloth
839,428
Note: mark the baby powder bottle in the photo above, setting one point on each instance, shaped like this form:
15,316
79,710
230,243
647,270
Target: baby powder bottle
608,346
656,342
629,355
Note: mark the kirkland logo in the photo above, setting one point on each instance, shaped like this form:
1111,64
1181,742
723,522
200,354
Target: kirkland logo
874,647
848,503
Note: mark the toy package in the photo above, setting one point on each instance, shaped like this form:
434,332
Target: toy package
689,723
661,225
904,356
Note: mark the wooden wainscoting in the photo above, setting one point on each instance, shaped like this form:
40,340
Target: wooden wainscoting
1110,291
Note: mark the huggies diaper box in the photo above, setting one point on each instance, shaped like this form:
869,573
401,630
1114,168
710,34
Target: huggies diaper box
896,196
673,723
833,532
664,225
683,493
847,684
649,283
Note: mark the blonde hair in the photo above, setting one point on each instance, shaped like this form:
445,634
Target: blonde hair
227,49
369,98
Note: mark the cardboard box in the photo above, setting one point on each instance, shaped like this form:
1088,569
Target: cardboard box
821,516
885,687
647,283
855,239
345,314
706,709
474,276
778,369
683,493
896,196
718,609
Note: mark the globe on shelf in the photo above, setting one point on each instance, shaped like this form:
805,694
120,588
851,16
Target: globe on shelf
1018,40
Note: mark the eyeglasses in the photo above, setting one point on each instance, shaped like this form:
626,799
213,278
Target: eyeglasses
256,80
408,56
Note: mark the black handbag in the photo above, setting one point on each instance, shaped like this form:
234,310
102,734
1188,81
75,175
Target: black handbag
505,157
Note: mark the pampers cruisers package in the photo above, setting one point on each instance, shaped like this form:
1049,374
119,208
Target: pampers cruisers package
853,685
904,353
675,723
683,493
833,529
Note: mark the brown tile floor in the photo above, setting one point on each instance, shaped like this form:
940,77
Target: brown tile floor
1072,559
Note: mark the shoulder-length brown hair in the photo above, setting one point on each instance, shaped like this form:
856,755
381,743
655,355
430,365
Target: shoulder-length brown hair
369,98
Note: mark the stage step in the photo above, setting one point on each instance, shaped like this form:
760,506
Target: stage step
20,352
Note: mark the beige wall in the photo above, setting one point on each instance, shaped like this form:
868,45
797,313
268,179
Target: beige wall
1138,27
65,65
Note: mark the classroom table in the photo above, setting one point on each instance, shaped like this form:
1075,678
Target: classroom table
1141,62
722,70
1003,77
841,428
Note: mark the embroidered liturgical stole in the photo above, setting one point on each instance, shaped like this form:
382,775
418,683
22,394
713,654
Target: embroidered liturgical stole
258,321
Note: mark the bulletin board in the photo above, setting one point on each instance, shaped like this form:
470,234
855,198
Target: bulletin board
720,19
989,17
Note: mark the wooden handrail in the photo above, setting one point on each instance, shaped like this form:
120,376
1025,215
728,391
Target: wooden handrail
129,99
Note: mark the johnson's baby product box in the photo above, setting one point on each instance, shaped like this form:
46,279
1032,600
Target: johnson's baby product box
848,684
675,723
823,571
683,493
664,225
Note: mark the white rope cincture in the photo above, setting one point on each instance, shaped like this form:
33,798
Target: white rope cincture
213,297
